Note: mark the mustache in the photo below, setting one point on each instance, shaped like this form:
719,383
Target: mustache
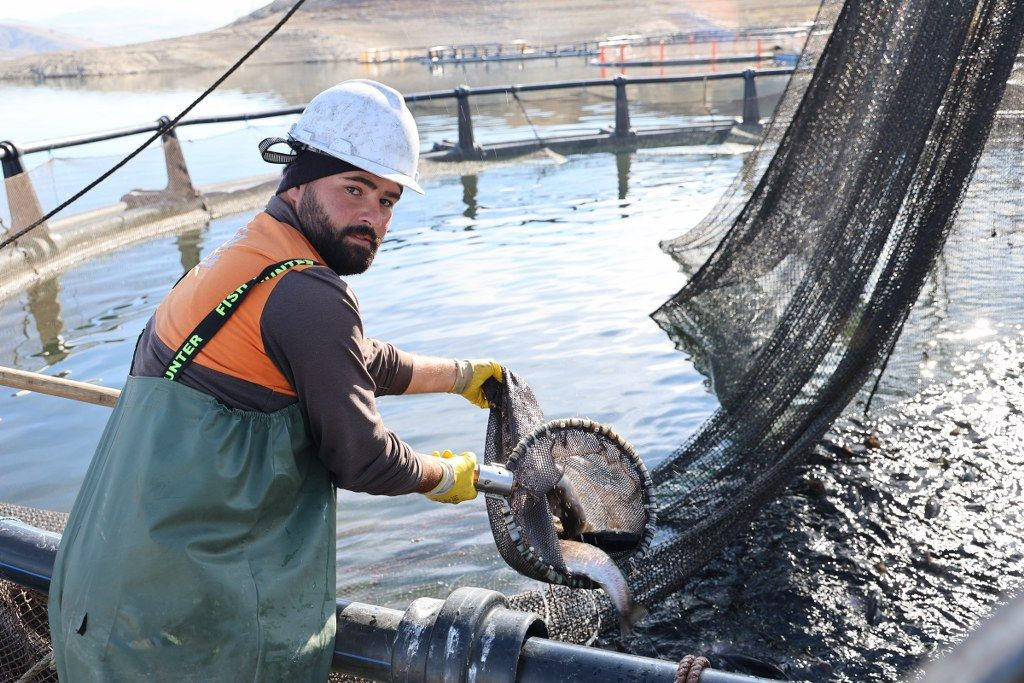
361,231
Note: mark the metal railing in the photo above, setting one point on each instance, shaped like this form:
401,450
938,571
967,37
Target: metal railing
11,153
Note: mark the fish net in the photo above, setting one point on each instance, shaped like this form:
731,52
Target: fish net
24,629
808,268
575,471
813,259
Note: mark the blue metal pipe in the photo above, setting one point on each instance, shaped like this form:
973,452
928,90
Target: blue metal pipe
26,554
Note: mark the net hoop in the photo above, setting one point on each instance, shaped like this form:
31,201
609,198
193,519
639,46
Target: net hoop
551,573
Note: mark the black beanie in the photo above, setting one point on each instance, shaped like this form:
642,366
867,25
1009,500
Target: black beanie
309,166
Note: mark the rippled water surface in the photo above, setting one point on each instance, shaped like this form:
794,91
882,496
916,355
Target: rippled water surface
550,268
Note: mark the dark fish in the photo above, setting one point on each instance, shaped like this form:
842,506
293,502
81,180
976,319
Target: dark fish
586,560
595,501
567,508
612,541
751,665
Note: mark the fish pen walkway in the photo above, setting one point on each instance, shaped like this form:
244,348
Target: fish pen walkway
146,213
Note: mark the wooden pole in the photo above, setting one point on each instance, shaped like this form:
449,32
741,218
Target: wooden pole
58,386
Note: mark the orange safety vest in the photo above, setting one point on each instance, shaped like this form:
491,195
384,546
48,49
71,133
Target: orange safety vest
237,350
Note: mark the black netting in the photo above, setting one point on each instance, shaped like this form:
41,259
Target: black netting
516,415
24,630
823,244
575,480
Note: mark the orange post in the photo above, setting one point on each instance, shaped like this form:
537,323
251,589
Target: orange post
714,51
601,57
622,54
661,50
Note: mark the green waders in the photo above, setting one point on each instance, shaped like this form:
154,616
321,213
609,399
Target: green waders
201,545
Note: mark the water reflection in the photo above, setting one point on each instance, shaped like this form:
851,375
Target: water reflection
44,307
469,196
190,247
622,163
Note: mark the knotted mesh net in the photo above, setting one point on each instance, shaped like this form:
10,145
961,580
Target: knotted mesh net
24,629
575,480
813,259
811,263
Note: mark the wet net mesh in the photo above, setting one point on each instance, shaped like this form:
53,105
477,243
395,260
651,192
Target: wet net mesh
574,480
815,256
811,263
24,630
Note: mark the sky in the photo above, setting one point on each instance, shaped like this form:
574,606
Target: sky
128,21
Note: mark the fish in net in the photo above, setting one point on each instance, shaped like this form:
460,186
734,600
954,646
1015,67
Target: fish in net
577,483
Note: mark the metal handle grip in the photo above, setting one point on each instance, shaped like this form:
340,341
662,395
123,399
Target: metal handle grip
494,479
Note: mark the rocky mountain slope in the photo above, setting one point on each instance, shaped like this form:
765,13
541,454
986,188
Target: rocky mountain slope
331,30
19,40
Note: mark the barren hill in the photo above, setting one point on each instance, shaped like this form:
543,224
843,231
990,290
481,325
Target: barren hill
19,40
332,30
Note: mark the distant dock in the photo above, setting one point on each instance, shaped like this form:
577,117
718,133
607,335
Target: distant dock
688,61
714,45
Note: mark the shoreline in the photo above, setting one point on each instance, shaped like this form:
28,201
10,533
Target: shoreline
326,33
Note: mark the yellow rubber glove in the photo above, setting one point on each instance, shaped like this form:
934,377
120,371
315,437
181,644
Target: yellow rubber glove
457,483
471,377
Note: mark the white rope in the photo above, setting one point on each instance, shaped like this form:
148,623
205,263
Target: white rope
597,610
544,600
43,664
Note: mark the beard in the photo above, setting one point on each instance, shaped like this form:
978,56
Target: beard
341,256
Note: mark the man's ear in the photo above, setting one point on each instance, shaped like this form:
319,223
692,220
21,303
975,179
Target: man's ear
292,195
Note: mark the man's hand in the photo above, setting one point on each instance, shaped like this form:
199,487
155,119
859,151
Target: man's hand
457,482
471,377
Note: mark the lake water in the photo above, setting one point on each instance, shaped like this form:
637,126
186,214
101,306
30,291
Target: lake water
220,152
550,268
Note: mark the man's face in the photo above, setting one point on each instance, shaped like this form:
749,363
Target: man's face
346,216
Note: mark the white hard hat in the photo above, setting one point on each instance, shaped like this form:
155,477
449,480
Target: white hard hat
367,124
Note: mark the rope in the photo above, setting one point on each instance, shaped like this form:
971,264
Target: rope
690,668
37,668
161,130
881,371
547,150
532,127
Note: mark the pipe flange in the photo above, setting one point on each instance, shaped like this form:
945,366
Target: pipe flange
409,656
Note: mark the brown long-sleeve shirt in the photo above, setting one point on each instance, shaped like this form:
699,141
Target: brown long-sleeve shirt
312,331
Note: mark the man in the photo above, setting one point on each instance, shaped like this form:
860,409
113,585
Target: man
201,545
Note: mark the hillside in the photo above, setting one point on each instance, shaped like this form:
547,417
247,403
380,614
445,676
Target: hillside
19,40
331,30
